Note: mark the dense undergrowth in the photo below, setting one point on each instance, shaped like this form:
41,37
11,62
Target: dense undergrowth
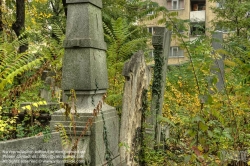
208,126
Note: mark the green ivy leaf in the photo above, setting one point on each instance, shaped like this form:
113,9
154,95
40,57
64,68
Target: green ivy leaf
227,135
187,158
198,119
165,120
209,133
203,126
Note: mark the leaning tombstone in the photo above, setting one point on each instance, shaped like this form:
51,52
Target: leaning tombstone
137,78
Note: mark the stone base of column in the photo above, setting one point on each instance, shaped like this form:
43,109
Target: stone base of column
92,146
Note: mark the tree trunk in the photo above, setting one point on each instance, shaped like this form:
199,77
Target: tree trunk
64,7
1,22
18,26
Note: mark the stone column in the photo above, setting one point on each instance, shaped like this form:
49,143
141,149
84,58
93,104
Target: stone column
84,63
161,43
218,66
85,71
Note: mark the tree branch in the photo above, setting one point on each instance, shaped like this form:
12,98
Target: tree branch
19,25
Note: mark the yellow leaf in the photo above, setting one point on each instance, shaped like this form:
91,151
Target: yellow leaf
248,163
200,148
230,63
12,121
35,104
42,103
28,107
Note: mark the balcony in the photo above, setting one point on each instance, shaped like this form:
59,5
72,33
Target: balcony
198,16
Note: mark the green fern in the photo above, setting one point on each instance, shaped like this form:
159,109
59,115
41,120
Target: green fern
13,63
63,134
42,49
122,43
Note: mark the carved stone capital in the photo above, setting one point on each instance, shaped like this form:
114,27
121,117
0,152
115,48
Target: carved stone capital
97,3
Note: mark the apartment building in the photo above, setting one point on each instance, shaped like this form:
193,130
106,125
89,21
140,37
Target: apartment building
200,16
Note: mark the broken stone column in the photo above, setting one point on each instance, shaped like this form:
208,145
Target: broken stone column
218,66
161,43
85,71
137,76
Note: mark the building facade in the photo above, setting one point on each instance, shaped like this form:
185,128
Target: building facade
198,12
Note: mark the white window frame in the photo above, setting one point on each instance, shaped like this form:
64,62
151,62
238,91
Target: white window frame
152,31
220,4
152,53
175,49
177,4
223,30
150,13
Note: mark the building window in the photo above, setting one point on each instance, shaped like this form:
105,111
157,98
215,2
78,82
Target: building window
222,29
198,5
151,30
179,26
175,4
176,52
220,4
151,53
151,12
197,29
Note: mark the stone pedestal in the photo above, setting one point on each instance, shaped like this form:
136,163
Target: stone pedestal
92,146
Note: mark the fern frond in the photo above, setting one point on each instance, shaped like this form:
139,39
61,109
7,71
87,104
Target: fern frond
8,75
108,33
63,134
120,29
130,47
58,32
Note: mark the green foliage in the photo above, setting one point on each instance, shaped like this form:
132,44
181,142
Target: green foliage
14,64
43,53
120,49
206,121
63,135
133,10
232,16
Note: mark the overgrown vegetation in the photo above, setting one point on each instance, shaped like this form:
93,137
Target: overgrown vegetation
206,125
21,69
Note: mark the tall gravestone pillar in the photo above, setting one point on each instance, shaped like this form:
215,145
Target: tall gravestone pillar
85,71
161,42
218,67
84,63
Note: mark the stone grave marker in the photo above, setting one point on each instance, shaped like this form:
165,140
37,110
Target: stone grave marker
161,43
85,71
137,79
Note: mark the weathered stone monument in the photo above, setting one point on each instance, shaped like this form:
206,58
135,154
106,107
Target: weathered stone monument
161,43
218,67
85,71
137,79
